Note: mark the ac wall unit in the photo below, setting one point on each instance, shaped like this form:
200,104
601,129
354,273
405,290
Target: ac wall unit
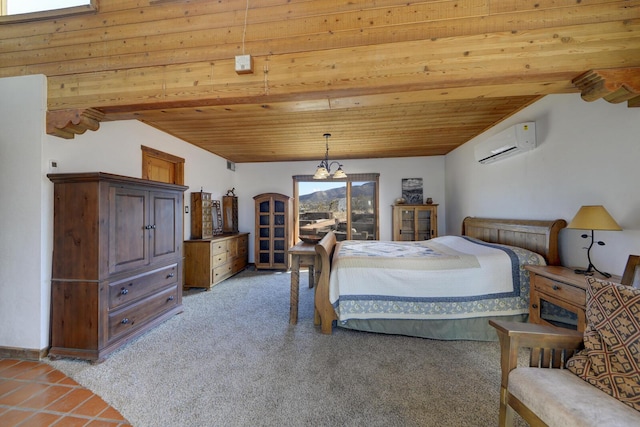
511,141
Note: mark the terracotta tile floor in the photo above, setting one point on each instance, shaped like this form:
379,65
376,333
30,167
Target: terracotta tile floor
34,394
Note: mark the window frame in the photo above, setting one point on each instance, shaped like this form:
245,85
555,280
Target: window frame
358,177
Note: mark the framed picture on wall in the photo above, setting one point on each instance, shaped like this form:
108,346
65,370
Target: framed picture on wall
412,190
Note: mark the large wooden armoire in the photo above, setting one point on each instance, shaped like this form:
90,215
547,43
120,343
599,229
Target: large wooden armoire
117,261
273,231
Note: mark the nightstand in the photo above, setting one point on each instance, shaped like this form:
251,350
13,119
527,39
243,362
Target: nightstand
558,296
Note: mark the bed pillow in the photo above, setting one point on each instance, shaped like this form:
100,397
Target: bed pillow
611,357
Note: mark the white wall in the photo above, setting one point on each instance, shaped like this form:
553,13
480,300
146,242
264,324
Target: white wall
588,154
26,214
115,148
257,178
24,265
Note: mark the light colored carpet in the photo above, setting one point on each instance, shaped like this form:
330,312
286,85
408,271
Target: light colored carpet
232,359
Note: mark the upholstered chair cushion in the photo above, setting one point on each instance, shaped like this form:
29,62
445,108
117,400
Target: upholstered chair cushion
610,360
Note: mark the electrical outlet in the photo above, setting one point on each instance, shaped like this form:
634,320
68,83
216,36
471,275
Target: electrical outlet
186,209
53,165
244,64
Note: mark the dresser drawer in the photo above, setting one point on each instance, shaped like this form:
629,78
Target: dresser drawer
132,288
218,259
138,314
218,247
242,247
222,272
560,290
238,264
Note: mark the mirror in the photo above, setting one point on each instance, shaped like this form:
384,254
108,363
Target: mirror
216,213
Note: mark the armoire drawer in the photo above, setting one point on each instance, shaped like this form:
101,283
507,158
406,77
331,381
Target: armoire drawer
132,288
138,314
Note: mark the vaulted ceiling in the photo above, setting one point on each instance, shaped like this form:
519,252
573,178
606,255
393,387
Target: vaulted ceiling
386,78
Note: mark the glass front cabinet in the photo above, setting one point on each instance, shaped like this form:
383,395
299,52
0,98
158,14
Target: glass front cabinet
415,222
273,235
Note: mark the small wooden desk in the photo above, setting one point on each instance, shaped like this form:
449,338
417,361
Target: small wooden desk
302,255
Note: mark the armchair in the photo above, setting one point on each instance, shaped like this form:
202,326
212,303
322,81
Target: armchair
550,348
551,397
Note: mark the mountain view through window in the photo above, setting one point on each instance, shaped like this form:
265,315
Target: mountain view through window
349,208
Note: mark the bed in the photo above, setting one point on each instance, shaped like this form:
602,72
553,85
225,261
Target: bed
445,288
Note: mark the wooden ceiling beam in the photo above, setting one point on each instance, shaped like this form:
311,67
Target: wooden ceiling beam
69,123
614,85
545,55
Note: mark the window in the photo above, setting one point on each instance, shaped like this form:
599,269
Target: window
348,206
160,166
31,10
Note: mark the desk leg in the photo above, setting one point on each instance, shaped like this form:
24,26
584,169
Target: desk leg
317,270
311,276
295,289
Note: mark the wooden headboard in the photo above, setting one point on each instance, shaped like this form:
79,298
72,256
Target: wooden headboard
537,236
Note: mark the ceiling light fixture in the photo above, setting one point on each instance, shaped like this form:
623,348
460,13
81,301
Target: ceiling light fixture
324,168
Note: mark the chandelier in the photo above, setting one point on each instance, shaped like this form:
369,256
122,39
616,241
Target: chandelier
324,168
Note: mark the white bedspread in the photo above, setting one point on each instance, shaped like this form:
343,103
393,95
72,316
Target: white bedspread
442,278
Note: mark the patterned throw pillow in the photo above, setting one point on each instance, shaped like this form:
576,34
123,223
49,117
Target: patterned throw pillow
611,357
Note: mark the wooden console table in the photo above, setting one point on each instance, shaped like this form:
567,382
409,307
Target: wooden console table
302,255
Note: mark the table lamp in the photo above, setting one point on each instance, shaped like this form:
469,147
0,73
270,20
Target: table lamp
593,218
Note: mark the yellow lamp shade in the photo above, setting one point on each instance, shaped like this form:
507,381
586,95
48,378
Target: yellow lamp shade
594,218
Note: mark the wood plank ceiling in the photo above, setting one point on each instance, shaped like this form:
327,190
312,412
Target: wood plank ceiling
386,78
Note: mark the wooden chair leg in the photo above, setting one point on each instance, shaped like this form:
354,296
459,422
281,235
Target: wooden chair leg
506,412
508,419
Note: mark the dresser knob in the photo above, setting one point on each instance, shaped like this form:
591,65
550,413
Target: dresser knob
124,321
556,287
169,276
534,305
124,291
170,298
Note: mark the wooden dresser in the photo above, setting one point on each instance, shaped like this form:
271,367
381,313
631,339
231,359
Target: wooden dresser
117,261
210,261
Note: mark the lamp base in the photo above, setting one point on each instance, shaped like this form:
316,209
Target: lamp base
585,272
590,271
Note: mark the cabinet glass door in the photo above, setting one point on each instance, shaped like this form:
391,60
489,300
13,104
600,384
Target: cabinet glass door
407,225
423,225
264,232
556,315
279,235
